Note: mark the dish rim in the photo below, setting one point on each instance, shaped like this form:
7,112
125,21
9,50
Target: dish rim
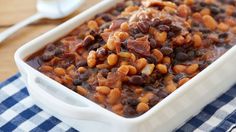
20,59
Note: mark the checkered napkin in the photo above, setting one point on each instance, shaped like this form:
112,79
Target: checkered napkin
18,112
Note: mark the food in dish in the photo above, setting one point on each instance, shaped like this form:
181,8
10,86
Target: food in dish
133,56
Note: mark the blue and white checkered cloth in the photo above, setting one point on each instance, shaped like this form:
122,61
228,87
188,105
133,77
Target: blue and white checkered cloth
19,113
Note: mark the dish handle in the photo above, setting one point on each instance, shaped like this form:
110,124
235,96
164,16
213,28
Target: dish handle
78,112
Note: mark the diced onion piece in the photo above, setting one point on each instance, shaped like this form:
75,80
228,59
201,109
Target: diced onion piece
148,69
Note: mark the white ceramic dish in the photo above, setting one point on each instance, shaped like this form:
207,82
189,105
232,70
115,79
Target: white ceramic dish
80,112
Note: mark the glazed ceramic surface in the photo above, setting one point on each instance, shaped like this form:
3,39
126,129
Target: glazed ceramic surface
87,116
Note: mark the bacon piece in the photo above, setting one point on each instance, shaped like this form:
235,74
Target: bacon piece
140,45
113,80
105,36
116,23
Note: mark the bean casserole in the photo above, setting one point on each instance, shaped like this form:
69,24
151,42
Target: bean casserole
133,56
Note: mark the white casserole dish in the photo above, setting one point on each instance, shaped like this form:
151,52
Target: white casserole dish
87,116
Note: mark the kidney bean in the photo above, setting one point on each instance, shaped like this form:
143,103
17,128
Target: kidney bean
166,22
153,43
163,28
143,26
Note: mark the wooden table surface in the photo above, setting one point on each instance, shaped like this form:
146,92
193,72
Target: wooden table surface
13,11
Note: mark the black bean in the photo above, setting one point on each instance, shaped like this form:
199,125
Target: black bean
151,79
77,82
152,59
133,31
220,17
93,33
148,87
129,111
95,70
114,69
196,7
143,26
120,7
87,86
155,91
234,14
47,56
101,52
199,53
204,64
215,10
204,30
58,51
175,29
228,46
153,101
162,94
132,101
179,49
195,24
50,47
191,54
94,47
81,63
153,43
84,76
105,26
178,77
35,63
163,28
106,17
136,79
104,72
124,43
181,56
171,34
166,50
223,35
166,22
